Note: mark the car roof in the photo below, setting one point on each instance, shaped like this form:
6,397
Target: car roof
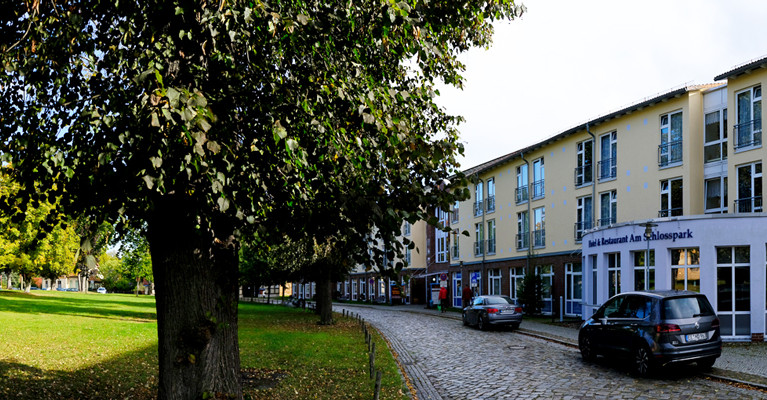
662,294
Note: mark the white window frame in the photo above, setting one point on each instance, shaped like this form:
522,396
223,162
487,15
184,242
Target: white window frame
608,144
583,217
613,274
523,230
666,142
608,215
648,271
734,313
721,208
755,204
494,277
572,281
539,179
479,198
522,193
667,210
479,245
690,264
491,240
516,277
490,200
406,228
539,223
755,131
721,141
584,160
547,278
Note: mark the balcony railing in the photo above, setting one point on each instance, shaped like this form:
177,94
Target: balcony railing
539,189
748,134
583,175
539,238
521,194
479,248
523,240
670,153
455,252
749,205
478,208
608,168
606,221
579,228
454,215
491,246
490,204
670,212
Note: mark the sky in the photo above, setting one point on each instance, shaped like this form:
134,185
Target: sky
566,62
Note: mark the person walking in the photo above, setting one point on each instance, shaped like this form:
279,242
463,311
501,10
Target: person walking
466,296
443,298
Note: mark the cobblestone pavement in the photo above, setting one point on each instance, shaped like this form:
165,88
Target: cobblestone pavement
445,360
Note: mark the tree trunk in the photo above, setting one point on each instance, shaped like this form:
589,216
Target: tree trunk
195,273
325,298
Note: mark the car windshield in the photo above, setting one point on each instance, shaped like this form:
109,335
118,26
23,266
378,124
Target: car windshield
499,300
686,307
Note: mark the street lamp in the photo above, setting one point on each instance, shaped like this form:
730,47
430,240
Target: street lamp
647,235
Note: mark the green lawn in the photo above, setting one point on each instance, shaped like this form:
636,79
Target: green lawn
61,345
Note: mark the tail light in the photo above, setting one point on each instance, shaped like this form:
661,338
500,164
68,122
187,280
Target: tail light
667,328
715,323
492,310
518,310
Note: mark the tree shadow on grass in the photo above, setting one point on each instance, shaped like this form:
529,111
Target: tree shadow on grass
94,306
132,376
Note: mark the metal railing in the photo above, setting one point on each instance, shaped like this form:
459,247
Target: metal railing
608,168
491,246
523,240
479,248
749,204
490,204
579,228
521,194
606,221
455,252
583,175
539,238
670,212
670,153
538,188
478,208
748,134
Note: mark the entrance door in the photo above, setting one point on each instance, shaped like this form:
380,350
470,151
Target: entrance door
573,289
457,290
734,291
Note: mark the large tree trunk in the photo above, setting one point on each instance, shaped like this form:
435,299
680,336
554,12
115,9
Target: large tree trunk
195,273
325,298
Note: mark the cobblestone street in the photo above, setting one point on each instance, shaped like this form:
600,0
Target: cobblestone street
446,360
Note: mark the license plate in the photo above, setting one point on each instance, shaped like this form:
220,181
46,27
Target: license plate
694,337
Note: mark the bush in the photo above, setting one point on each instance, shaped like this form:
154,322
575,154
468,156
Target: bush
530,293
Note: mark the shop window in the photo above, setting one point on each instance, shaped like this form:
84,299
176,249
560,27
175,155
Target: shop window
733,276
516,276
644,272
685,269
614,273
494,282
573,288
546,272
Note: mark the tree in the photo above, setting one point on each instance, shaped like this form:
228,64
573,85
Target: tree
201,120
530,293
136,258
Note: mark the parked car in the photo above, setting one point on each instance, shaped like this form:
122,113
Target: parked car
485,311
654,329
101,290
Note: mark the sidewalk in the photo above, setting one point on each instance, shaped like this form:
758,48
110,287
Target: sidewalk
744,363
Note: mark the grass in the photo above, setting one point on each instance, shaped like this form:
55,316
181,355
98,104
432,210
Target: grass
61,345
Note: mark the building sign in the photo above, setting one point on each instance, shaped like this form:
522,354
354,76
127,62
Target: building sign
673,236
474,279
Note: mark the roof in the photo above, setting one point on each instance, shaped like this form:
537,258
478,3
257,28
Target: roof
743,68
646,102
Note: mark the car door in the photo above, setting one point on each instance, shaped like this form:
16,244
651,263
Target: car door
632,315
475,309
609,322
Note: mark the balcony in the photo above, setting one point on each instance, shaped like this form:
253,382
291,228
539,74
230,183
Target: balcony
539,189
479,248
749,205
579,228
490,204
606,221
523,240
670,153
583,175
670,212
748,134
608,168
491,246
521,194
478,208
454,252
539,238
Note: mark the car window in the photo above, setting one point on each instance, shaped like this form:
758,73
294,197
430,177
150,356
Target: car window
478,301
612,307
499,300
637,307
686,307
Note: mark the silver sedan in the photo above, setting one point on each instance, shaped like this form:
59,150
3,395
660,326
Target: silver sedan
485,311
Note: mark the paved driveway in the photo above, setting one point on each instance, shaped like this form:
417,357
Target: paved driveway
446,360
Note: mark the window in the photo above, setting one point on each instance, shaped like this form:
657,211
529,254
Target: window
354,289
608,211
522,184
456,249
457,290
441,237
573,288
733,297
583,159
539,176
517,275
408,256
644,272
748,128
670,149
479,245
583,216
670,198
523,230
406,229
614,273
749,188
539,223
716,195
491,236
494,281
479,195
715,136
455,213
608,164
546,272
685,269
490,206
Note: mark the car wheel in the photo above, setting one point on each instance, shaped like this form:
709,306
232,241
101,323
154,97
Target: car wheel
705,364
465,321
586,348
481,324
642,361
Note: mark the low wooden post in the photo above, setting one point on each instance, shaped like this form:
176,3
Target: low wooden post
372,360
377,391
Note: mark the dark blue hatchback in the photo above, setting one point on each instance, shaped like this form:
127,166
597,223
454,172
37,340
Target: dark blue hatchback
653,329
